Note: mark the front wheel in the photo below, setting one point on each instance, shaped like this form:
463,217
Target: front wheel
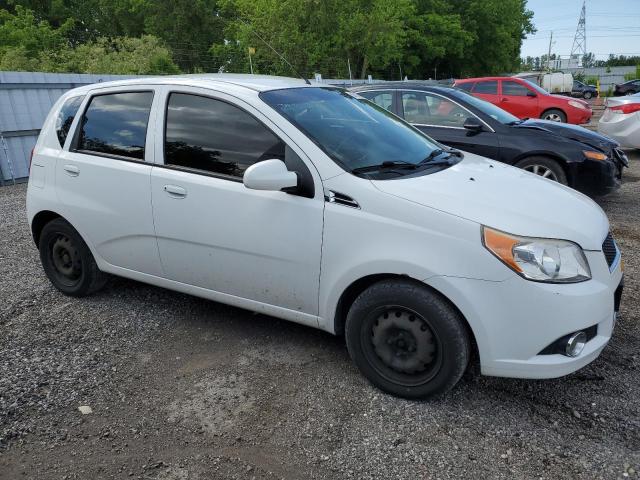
545,167
406,339
554,115
588,95
67,260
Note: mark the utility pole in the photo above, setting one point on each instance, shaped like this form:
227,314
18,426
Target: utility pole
549,54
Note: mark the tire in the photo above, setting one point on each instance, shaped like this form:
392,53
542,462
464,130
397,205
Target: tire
67,260
587,95
545,167
406,339
554,115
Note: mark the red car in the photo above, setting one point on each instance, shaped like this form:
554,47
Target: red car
525,99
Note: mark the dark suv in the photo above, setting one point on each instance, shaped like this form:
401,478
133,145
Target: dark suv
627,88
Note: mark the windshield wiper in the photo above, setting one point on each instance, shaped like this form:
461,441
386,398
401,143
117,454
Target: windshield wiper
388,164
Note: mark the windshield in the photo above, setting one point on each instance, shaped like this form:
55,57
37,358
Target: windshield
487,108
354,132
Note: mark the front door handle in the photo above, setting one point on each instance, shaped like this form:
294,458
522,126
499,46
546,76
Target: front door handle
175,191
71,170
505,99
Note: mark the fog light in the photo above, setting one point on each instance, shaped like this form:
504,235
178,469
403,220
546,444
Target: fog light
575,344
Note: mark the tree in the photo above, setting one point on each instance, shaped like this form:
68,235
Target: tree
23,39
436,39
315,35
498,28
189,27
31,45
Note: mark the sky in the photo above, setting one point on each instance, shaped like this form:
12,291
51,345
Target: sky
613,26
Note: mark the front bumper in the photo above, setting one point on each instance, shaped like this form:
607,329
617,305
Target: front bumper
598,177
514,320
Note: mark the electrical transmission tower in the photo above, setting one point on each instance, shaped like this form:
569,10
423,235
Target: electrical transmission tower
580,39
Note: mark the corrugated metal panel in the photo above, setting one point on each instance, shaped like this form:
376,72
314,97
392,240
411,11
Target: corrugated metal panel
25,101
18,150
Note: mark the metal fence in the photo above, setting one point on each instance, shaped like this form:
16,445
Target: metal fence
25,101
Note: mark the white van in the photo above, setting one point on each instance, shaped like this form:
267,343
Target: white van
309,203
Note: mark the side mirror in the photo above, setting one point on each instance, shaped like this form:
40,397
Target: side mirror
532,94
269,175
473,125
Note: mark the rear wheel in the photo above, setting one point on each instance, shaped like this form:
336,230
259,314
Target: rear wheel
406,339
545,167
554,115
67,260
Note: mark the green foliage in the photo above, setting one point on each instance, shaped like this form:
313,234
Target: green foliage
385,38
122,55
633,75
30,45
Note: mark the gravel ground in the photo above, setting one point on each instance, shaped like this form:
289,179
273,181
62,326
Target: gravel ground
182,388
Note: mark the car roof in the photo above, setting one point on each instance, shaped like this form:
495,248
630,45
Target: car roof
478,79
258,83
425,85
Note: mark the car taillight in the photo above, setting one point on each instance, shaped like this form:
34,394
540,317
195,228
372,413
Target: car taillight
626,108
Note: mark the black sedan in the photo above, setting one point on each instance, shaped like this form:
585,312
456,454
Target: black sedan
568,154
627,88
583,90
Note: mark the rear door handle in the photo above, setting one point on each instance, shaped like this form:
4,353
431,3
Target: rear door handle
505,99
175,191
71,170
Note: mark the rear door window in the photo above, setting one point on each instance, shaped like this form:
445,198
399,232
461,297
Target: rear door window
488,88
466,86
433,110
115,124
514,88
65,117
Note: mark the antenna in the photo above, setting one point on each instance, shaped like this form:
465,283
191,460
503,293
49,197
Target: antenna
275,51
580,38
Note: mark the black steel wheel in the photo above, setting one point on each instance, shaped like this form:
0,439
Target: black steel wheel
406,339
67,260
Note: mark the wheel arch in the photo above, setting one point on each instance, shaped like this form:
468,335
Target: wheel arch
360,285
40,219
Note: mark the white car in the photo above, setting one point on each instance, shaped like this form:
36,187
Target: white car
308,203
621,120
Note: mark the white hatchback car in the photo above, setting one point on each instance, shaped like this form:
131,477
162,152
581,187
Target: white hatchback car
309,203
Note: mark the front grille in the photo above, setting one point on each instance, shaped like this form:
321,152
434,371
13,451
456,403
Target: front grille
609,249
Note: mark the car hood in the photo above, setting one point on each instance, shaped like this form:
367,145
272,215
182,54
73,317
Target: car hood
506,198
573,132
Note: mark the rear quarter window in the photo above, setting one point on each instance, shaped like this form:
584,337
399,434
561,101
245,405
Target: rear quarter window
65,117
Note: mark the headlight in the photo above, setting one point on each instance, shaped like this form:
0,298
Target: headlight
539,259
580,105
